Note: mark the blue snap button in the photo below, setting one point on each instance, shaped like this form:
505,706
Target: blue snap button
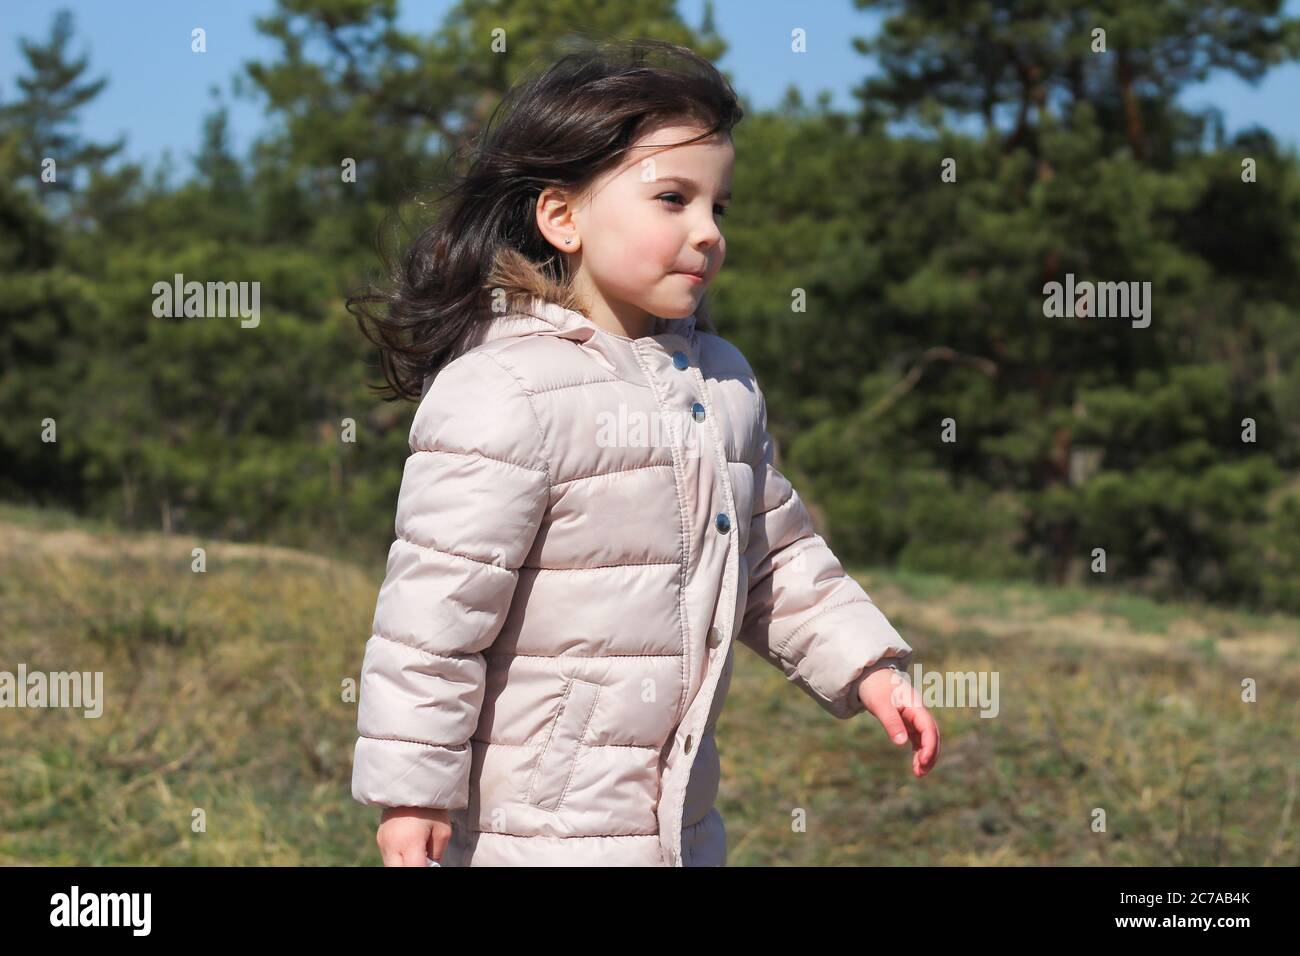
723,523
698,411
680,361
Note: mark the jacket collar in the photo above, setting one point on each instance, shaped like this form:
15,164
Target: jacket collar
542,317
547,318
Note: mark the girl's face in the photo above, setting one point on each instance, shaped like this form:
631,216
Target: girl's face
646,235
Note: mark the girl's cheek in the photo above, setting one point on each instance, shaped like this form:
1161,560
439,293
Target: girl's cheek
647,245
647,251
633,264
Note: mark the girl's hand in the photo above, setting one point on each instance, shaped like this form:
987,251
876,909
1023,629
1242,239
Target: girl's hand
889,695
407,835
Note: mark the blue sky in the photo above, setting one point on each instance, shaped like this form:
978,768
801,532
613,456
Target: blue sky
158,91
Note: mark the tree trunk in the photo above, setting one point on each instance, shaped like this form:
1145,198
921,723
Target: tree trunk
128,496
1132,118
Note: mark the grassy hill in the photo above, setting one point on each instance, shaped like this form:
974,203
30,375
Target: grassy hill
223,705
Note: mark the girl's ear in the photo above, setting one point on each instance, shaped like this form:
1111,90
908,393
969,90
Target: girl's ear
555,220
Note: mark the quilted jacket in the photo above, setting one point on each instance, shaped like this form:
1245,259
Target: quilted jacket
586,525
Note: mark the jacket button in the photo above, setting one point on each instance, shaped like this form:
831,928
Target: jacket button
687,748
723,523
715,636
680,361
698,411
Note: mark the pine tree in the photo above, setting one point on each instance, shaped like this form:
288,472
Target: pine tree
45,117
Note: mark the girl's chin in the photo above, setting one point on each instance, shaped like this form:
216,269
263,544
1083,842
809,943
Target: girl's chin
678,308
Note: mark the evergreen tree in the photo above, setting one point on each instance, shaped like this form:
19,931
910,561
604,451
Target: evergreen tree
53,91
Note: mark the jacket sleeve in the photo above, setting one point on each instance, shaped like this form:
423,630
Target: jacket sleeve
804,614
472,496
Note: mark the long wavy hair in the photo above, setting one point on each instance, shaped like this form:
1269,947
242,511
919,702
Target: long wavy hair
563,128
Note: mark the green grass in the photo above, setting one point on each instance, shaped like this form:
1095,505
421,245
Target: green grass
1108,702
226,738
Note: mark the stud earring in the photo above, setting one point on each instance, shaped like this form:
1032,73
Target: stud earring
568,240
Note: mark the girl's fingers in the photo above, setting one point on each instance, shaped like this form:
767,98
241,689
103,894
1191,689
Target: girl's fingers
929,732
408,849
438,840
892,721
924,733
387,854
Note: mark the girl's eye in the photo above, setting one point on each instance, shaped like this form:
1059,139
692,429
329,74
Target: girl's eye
718,210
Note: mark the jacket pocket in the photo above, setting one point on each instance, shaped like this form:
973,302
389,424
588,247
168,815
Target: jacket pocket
554,770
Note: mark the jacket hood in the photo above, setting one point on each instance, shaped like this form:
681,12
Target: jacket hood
543,317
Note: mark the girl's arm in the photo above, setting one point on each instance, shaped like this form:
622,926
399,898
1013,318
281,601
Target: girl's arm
472,497
804,614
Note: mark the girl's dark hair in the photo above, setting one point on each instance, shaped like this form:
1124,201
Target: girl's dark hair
561,128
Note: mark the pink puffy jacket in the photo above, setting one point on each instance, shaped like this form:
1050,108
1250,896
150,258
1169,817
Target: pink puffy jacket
586,525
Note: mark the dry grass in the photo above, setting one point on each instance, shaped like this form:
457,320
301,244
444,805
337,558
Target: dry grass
223,695
1105,702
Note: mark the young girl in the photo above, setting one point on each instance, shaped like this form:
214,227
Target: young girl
591,516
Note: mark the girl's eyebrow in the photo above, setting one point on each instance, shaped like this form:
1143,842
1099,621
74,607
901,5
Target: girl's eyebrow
689,183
